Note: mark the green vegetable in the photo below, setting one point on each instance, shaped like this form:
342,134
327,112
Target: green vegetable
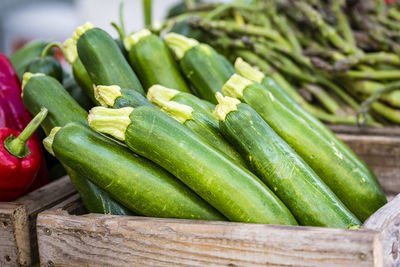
201,64
21,58
356,187
43,91
203,127
231,189
115,97
280,168
79,72
158,95
134,181
76,92
103,59
152,61
48,65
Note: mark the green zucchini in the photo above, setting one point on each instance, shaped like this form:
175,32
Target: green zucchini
230,188
114,97
43,91
22,57
76,91
134,181
280,168
47,65
245,70
203,127
103,59
202,65
158,95
355,186
152,61
79,72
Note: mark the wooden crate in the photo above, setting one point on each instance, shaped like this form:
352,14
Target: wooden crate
67,239
350,129
18,244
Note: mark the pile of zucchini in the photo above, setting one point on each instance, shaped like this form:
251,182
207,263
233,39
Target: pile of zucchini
179,132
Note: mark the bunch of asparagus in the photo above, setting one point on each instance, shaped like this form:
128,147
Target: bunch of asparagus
338,59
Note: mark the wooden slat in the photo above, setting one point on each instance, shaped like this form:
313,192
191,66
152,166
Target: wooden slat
20,217
381,154
382,131
94,240
387,221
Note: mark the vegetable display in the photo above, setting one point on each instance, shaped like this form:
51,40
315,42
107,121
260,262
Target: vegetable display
337,59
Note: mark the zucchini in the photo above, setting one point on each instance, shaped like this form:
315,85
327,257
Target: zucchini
47,65
114,97
23,57
76,91
152,61
39,91
280,168
202,65
206,129
245,70
355,186
103,59
134,181
158,95
230,188
79,72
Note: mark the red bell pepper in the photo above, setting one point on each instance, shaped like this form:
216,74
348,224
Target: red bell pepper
13,113
20,159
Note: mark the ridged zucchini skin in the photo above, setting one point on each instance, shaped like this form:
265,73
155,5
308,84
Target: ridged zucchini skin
48,65
153,63
82,78
283,171
206,71
45,91
76,91
355,186
286,100
231,189
130,98
210,132
134,181
197,104
104,61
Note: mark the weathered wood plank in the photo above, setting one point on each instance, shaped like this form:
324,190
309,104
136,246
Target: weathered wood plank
94,240
18,244
381,154
387,221
349,129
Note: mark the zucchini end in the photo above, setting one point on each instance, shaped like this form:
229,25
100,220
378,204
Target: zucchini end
178,111
235,85
27,76
110,121
48,141
159,95
106,95
225,105
179,43
246,70
81,30
70,51
133,39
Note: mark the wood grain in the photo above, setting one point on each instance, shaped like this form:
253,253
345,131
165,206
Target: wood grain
349,129
381,154
18,244
94,240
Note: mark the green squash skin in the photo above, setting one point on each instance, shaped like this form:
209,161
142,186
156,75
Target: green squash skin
283,171
135,182
356,187
209,132
153,63
197,104
104,61
21,58
231,189
45,91
49,66
130,98
286,100
82,78
205,69
76,92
